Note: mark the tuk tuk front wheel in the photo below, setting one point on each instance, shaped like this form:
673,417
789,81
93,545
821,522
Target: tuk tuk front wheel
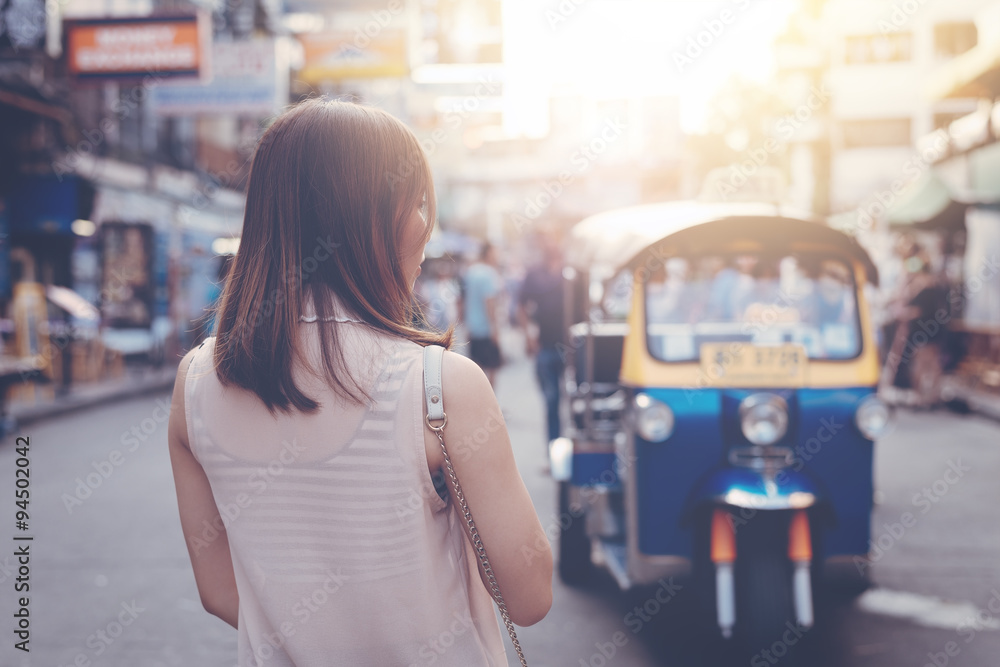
575,566
765,609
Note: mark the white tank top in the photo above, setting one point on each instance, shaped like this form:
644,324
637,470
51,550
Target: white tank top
343,551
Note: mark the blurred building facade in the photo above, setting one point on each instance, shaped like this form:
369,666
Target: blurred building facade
869,61
880,54
122,175
450,71
967,215
124,151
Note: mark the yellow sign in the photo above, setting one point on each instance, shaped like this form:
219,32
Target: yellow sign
740,364
335,55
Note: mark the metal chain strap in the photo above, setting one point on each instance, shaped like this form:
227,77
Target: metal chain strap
478,543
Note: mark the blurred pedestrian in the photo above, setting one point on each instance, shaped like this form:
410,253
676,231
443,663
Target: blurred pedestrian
920,312
439,292
541,302
305,472
481,290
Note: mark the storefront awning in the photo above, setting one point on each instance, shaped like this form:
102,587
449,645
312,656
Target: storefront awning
43,204
38,107
975,73
72,303
984,173
926,204
951,217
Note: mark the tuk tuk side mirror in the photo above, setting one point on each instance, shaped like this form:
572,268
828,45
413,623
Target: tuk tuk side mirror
873,417
595,290
561,459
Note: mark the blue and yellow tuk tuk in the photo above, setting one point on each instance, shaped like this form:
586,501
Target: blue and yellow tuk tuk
722,407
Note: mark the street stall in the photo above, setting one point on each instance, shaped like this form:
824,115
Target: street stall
128,291
980,300
971,170
79,355
28,359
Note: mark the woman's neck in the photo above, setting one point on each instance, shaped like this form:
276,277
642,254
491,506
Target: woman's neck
335,310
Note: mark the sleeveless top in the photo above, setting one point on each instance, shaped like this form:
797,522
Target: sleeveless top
343,551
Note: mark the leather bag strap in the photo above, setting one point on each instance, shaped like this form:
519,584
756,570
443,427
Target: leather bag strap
434,397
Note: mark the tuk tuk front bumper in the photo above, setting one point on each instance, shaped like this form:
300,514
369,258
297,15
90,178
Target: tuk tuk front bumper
755,490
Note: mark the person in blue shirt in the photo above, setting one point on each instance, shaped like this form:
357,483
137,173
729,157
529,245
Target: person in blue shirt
480,293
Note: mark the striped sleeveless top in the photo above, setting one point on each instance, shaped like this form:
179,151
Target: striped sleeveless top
344,552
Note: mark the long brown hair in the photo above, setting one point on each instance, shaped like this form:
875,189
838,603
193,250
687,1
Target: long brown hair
331,185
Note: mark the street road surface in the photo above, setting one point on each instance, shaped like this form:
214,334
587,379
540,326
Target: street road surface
116,555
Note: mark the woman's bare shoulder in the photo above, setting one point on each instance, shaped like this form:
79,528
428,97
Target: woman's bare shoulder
182,370
461,367
465,384
178,419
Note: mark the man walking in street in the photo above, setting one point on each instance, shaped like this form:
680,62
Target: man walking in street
541,300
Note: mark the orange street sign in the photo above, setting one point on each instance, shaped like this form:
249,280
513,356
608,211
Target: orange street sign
166,46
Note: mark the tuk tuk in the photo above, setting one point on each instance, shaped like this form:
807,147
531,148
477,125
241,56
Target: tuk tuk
722,409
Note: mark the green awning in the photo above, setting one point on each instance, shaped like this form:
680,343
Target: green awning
923,200
984,173
926,203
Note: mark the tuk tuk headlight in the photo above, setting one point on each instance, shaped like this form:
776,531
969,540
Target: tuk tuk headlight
654,420
764,418
873,417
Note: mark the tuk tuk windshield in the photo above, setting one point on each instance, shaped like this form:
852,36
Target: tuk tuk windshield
763,300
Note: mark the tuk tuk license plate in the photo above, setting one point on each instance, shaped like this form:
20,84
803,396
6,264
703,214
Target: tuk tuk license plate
738,364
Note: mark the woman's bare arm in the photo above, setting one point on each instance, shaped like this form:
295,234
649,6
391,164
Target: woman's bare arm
480,450
204,533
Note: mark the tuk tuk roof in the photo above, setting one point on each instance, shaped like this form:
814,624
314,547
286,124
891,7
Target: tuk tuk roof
609,241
